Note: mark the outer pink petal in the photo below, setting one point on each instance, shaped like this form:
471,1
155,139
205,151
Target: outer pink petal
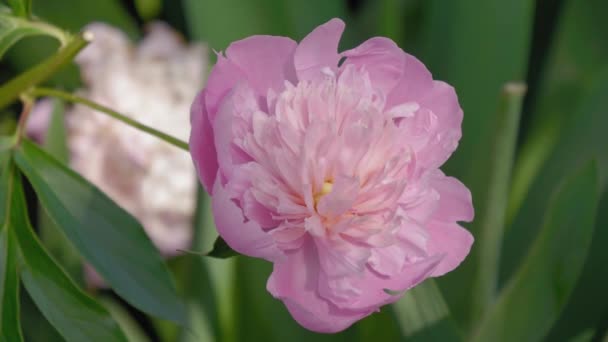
442,100
415,82
223,77
202,146
449,239
319,50
371,286
244,237
455,201
295,281
382,59
266,61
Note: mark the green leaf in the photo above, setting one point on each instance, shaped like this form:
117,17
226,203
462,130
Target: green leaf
75,315
551,269
13,29
215,275
35,326
55,143
207,18
424,316
584,138
577,54
221,250
72,16
21,8
10,327
106,235
477,47
15,87
490,223
126,322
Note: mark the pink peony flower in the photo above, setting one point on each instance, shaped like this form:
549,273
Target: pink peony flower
327,165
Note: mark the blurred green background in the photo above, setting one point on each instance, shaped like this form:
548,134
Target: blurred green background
539,189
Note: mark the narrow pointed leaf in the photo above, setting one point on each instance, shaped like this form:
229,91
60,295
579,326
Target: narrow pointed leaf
76,316
585,138
490,222
106,235
551,269
10,327
55,143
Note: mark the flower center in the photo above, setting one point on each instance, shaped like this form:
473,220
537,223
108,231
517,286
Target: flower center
325,189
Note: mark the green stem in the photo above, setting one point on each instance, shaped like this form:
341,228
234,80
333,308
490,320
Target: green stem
491,222
10,91
103,109
28,102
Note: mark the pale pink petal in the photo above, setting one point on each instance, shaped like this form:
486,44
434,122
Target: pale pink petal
224,75
295,281
382,59
319,50
370,286
238,105
443,103
416,81
257,212
339,258
245,237
341,198
202,146
387,261
455,202
449,239
266,61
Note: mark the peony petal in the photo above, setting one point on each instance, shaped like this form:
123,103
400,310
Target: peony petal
370,286
245,237
341,198
382,59
266,61
202,146
237,106
443,103
223,77
416,81
294,281
319,50
455,202
339,258
449,239
387,261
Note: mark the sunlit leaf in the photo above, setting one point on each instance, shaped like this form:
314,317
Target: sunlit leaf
536,294
106,235
75,315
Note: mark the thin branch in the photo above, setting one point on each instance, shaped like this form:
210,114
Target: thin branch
116,115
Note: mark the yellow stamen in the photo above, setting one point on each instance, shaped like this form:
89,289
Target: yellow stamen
325,189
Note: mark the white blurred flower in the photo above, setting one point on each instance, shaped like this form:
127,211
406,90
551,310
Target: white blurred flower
153,83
